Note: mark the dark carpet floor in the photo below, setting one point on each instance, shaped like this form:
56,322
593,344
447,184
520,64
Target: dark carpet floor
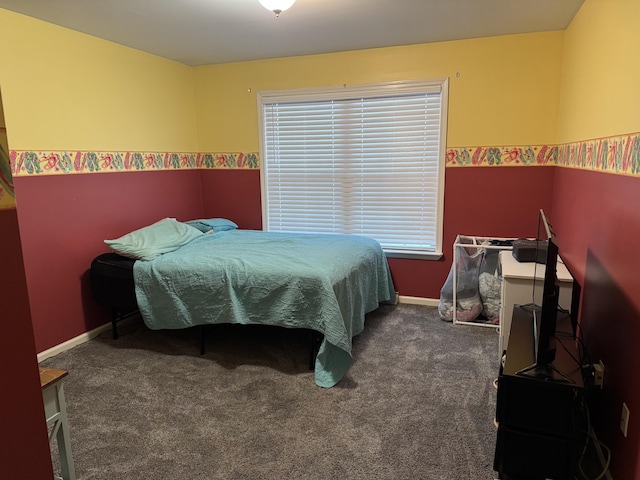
417,403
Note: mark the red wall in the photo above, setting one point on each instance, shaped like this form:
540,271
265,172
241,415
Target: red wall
480,201
64,220
597,218
25,448
233,194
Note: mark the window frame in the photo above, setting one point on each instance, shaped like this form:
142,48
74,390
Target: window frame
345,91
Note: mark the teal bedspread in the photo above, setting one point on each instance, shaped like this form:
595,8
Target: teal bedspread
321,282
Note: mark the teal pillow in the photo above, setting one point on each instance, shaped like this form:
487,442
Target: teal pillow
215,224
148,242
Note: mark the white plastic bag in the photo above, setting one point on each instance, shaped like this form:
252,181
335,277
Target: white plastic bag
468,303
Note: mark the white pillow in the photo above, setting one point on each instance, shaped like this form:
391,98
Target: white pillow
148,242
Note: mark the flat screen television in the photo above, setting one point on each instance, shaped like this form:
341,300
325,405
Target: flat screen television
544,307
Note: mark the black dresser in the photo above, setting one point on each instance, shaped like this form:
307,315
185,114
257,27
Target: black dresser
541,420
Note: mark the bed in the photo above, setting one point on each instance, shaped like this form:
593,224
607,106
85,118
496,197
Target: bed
322,282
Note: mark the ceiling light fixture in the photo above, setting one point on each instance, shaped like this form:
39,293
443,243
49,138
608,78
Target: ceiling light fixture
277,6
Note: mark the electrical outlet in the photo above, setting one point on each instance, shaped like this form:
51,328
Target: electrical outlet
624,419
598,374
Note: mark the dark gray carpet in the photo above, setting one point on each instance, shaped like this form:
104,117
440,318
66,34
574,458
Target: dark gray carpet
418,403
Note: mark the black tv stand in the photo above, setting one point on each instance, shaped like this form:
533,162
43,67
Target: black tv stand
539,410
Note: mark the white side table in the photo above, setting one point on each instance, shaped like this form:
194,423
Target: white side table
55,410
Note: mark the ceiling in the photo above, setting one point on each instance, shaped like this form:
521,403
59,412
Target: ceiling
200,32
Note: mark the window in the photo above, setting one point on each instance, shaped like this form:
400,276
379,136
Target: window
366,160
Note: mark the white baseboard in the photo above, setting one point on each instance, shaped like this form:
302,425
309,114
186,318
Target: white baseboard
74,342
431,302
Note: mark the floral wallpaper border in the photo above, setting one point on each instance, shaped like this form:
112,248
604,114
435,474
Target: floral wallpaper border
501,156
618,154
28,163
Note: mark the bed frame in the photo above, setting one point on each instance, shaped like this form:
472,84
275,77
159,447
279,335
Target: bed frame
112,284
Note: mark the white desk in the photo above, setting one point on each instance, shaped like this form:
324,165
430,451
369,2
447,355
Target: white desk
518,289
55,410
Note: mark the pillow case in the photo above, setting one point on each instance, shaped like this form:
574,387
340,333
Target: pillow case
148,242
205,225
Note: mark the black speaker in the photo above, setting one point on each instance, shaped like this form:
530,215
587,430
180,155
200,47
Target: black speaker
525,250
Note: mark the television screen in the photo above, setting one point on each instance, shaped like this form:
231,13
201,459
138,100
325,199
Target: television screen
544,305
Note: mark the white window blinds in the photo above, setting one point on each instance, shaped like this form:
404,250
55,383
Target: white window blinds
367,161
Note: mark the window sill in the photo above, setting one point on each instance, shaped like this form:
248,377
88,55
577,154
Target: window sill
416,255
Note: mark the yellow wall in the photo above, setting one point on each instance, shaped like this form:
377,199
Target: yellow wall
65,90
600,93
507,92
